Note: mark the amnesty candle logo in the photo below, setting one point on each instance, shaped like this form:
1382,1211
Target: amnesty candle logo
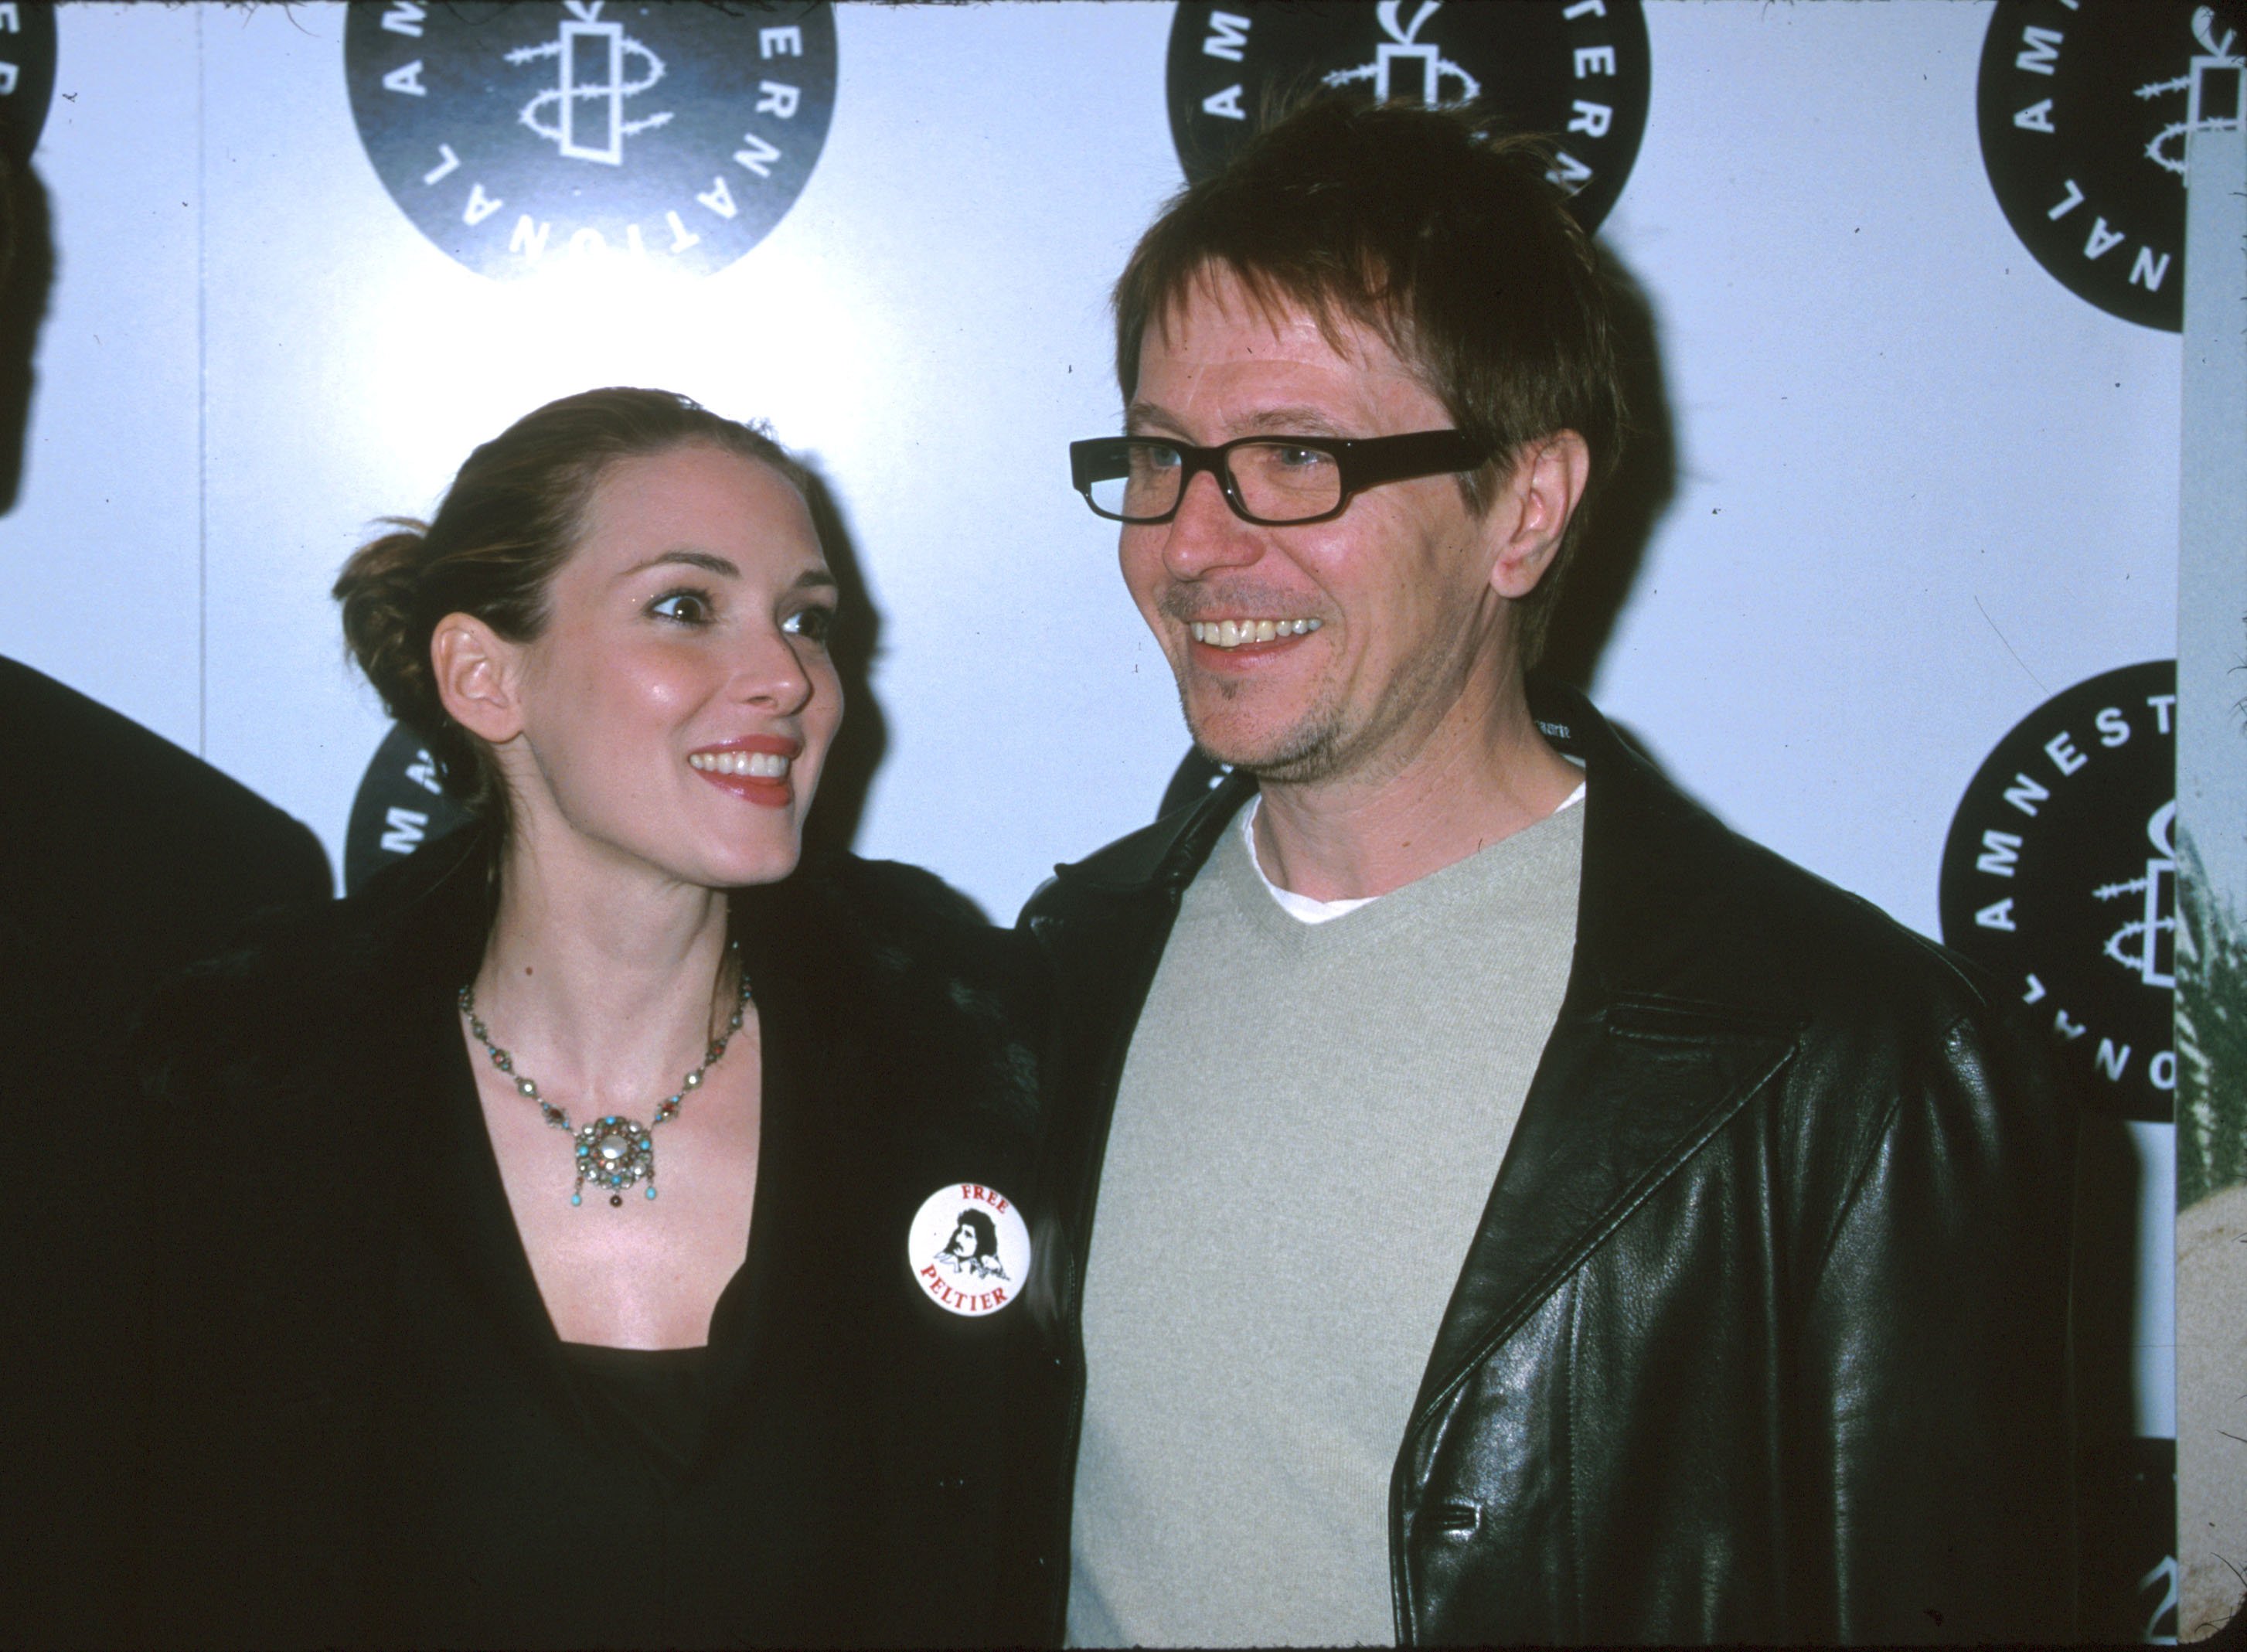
2084,106
516,136
1573,69
2059,875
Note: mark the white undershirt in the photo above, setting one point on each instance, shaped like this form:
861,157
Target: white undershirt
1303,907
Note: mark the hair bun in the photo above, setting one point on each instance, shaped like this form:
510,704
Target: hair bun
380,588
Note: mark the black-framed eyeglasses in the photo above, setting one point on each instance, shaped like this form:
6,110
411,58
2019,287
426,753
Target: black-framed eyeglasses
1274,482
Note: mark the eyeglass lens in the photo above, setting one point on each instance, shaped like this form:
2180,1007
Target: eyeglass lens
1276,480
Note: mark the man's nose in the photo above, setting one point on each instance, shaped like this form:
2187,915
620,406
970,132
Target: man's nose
1204,534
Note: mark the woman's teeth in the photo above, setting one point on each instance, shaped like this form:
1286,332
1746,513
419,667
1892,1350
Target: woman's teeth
1231,633
758,765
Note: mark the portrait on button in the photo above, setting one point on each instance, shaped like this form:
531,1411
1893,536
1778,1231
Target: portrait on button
974,1248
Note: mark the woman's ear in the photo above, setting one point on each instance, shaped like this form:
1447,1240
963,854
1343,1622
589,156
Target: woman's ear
477,671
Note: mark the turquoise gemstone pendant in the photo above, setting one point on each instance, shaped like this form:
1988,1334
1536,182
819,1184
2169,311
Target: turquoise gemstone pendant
614,1153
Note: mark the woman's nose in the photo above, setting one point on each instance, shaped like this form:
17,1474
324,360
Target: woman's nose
771,671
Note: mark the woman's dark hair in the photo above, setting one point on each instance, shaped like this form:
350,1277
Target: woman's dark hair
1445,238
510,519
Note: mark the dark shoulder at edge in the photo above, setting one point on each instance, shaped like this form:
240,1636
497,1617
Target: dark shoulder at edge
86,754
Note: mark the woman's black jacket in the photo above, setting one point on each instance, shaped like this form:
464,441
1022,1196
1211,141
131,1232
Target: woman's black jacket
314,1193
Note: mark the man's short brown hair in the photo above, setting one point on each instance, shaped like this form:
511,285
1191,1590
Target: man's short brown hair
1446,240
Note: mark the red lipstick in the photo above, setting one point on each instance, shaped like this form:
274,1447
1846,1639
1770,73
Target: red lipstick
768,791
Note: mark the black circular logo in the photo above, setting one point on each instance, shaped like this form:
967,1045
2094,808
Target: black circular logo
516,136
2059,875
27,74
1573,69
2084,107
400,807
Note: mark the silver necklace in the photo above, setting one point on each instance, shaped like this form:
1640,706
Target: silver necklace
614,1151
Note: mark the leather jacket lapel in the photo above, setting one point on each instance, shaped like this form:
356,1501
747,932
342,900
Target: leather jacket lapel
1623,1098
1638,1072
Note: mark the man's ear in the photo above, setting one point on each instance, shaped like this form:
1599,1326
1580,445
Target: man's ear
1533,509
476,671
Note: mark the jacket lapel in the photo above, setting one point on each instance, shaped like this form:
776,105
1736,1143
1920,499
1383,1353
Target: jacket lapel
1638,1072
1621,1099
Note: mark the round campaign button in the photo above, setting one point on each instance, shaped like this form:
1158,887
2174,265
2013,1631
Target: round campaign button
968,1249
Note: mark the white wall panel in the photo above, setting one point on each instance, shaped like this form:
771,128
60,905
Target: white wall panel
1906,453
101,559
312,297
988,170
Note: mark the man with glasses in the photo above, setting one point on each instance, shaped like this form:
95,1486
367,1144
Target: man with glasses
1526,1212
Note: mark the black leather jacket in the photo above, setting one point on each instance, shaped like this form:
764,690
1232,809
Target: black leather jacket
1763,1334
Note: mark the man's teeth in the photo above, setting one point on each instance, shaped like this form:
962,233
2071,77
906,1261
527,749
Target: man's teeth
1231,633
759,765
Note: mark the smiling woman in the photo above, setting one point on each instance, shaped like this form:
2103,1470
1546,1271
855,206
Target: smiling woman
435,1349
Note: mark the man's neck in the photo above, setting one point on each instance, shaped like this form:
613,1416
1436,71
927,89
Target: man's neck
1356,836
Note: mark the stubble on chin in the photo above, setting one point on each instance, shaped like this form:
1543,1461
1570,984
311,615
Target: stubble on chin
1321,743
1308,750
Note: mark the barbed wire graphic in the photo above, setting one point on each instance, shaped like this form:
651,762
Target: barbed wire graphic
614,92
2137,930
2203,30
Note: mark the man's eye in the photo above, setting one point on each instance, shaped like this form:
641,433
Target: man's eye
685,607
814,625
1299,458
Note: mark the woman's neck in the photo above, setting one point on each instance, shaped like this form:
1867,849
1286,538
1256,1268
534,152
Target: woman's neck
602,985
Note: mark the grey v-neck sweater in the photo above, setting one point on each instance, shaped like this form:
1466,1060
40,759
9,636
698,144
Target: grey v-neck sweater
1310,1120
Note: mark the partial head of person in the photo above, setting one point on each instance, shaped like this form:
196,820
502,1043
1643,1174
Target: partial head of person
614,635
975,1236
26,280
1370,389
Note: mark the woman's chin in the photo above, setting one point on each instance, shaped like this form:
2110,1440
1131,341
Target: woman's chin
724,853
736,867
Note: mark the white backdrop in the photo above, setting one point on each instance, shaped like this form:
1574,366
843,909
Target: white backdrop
1921,486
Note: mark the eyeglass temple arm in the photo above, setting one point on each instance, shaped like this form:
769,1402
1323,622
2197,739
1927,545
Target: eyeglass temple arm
1380,459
